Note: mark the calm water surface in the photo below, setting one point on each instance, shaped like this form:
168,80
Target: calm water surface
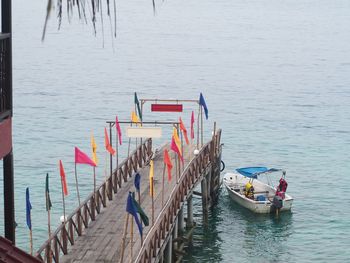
276,77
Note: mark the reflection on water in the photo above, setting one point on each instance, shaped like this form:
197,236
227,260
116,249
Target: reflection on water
240,233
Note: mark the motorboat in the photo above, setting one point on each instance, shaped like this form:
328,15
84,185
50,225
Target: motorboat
246,190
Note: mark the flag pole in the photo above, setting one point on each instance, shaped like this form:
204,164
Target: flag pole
201,127
31,237
139,197
110,155
129,141
48,219
136,126
49,232
199,109
63,202
94,179
94,186
106,165
176,166
182,148
116,156
152,182
163,186
131,239
124,237
76,182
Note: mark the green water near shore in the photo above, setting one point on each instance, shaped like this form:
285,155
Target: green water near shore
275,75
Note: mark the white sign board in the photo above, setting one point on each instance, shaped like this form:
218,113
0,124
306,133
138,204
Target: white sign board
144,132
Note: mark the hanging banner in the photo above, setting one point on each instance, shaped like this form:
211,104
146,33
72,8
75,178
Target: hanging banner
167,107
5,137
144,132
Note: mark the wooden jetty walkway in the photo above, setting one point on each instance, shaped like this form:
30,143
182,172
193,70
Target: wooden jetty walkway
94,231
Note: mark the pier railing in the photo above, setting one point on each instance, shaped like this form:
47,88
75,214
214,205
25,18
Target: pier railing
80,219
188,180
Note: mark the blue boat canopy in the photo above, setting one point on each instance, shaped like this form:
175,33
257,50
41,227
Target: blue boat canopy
253,172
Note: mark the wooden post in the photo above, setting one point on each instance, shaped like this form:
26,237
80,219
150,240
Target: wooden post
8,178
175,232
189,222
76,182
124,237
181,220
169,250
204,200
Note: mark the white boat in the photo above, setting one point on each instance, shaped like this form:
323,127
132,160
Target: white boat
263,198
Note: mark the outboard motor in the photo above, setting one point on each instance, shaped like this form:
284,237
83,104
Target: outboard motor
277,202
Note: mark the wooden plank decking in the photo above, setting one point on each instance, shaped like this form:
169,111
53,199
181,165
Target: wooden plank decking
102,241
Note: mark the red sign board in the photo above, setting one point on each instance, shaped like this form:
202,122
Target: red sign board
5,137
167,107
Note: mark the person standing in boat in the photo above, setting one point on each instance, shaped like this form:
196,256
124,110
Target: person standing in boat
249,191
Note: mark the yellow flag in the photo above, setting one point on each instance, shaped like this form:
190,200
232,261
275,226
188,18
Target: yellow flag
134,118
94,148
151,182
177,140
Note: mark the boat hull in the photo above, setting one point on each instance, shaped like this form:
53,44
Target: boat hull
235,183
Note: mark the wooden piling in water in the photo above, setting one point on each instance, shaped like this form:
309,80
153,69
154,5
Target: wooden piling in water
204,200
189,221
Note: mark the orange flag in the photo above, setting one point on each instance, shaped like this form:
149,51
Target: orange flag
108,146
174,147
168,163
184,131
177,140
63,179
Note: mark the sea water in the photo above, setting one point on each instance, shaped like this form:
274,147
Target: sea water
276,79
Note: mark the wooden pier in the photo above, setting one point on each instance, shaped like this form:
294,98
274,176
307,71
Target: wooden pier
94,231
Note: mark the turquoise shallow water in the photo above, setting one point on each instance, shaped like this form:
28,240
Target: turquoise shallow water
275,75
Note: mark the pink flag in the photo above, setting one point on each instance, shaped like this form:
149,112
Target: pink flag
192,122
174,147
118,130
82,158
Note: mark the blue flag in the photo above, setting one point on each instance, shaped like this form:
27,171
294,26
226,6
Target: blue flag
130,208
137,182
28,208
204,105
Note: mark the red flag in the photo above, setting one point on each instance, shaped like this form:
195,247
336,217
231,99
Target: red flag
82,158
108,146
168,163
174,147
63,179
184,131
119,131
192,122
